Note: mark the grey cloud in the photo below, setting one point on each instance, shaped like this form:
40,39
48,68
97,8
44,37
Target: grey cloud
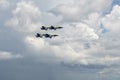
4,4
8,55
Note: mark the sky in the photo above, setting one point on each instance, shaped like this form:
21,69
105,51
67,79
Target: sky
87,47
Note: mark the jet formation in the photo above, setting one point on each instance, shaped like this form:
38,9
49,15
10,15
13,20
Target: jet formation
38,35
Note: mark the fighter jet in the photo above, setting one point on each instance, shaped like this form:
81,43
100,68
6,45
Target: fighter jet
45,35
54,28
44,28
49,35
39,35
50,28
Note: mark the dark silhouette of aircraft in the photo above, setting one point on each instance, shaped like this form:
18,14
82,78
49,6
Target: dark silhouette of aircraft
39,35
54,28
45,35
44,28
50,28
49,35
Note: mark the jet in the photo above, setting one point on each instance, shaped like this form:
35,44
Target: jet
49,35
54,28
50,28
45,35
44,28
39,35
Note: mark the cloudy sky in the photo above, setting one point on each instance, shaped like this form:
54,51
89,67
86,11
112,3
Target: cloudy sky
87,48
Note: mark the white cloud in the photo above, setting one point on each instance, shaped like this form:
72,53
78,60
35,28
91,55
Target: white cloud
4,4
62,52
78,42
25,17
112,21
81,41
37,44
75,52
93,21
8,55
78,31
28,18
79,9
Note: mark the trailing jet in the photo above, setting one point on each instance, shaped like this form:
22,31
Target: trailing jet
50,28
45,35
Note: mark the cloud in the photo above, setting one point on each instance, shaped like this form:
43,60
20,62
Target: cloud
93,21
77,52
79,42
8,55
78,31
79,9
110,73
112,21
37,44
4,4
25,17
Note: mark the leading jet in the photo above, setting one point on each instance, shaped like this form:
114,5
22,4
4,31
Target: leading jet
54,28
